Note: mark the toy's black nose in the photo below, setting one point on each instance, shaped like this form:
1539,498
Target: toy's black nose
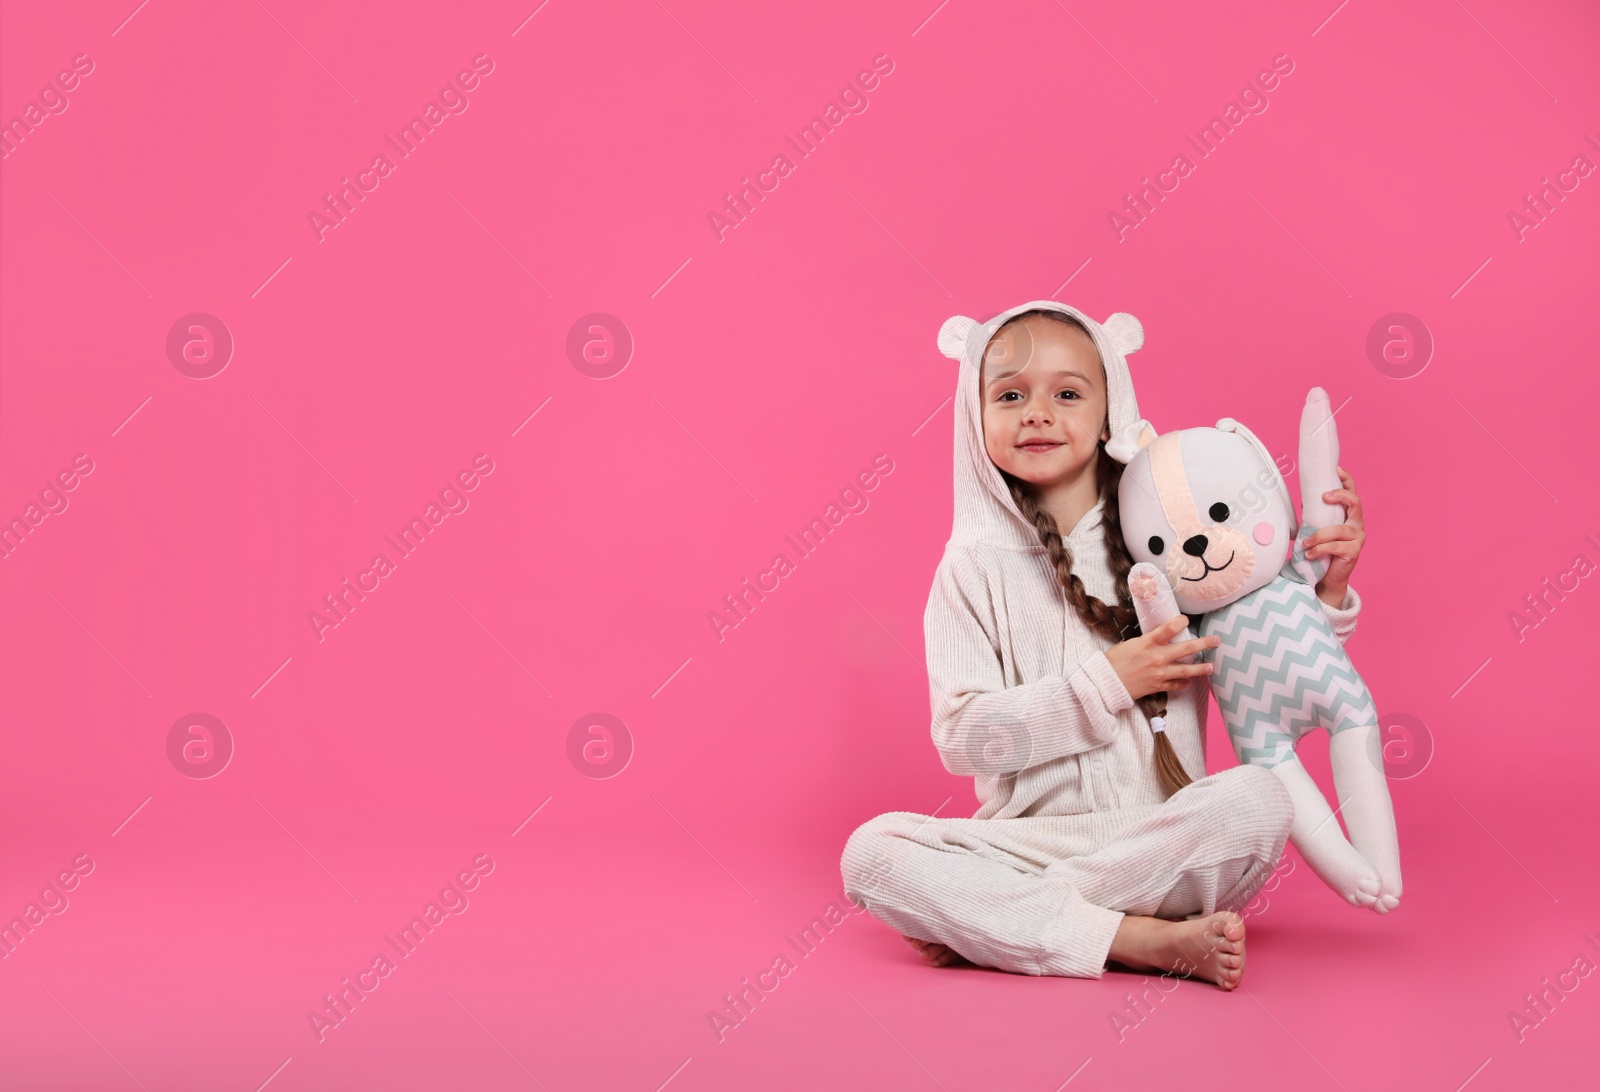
1196,546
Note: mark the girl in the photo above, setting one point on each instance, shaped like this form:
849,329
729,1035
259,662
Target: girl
1098,837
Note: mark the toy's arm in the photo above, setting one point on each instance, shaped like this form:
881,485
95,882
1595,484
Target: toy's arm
1154,602
1319,473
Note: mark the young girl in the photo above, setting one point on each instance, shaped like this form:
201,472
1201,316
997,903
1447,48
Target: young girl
1098,837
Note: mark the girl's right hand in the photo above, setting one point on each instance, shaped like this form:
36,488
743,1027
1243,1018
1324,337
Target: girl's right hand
1149,663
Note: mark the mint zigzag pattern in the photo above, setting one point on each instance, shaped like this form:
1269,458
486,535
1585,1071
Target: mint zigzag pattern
1281,672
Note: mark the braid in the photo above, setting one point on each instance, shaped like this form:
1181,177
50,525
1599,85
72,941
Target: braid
1098,616
1117,621
1109,474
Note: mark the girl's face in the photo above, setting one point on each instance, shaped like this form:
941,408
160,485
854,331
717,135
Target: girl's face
1044,400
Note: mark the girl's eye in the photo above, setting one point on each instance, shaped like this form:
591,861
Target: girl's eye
1069,395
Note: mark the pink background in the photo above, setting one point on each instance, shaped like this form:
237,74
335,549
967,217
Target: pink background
769,370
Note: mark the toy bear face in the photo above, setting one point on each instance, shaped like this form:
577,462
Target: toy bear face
1202,505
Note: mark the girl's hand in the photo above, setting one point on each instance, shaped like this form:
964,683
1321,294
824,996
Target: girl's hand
1341,543
1149,663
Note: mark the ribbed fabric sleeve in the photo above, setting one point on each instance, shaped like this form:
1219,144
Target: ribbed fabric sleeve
982,725
1107,683
1343,616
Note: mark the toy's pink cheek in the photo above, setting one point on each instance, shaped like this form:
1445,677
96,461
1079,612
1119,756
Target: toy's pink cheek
1264,532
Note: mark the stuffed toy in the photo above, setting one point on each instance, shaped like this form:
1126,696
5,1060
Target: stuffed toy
1207,517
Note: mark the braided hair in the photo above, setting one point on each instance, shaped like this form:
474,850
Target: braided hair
1116,621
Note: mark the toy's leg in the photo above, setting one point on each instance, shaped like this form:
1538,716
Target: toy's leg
1317,836
1359,780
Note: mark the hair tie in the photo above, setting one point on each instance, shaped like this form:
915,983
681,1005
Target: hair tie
1158,724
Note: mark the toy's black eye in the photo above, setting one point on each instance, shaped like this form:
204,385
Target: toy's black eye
1156,545
1219,512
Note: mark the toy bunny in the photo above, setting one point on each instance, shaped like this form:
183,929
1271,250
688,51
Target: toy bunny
1207,517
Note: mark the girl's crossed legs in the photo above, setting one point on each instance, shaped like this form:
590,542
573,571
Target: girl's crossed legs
1062,894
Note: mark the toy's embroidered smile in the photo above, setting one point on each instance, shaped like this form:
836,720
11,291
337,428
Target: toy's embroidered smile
1210,568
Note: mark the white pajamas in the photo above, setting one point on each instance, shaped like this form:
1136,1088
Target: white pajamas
1045,894
1072,829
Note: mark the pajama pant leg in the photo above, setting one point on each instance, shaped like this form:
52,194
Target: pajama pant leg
1045,894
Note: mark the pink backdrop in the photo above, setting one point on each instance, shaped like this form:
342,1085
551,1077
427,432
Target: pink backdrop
424,323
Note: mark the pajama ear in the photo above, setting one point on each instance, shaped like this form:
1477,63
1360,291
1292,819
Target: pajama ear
1125,331
953,335
1127,440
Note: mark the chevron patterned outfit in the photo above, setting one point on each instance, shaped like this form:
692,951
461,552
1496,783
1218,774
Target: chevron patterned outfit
1281,672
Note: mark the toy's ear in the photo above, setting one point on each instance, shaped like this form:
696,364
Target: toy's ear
953,335
1127,440
1228,424
1125,332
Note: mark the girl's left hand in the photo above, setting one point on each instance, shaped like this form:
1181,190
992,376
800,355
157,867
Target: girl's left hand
1341,543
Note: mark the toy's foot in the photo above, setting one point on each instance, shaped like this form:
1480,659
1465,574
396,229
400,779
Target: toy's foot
1365,892
1388,895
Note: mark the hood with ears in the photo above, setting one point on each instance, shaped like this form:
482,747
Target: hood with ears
984,510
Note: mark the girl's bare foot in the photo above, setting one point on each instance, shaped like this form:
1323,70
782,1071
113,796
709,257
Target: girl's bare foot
935,953
1211,947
